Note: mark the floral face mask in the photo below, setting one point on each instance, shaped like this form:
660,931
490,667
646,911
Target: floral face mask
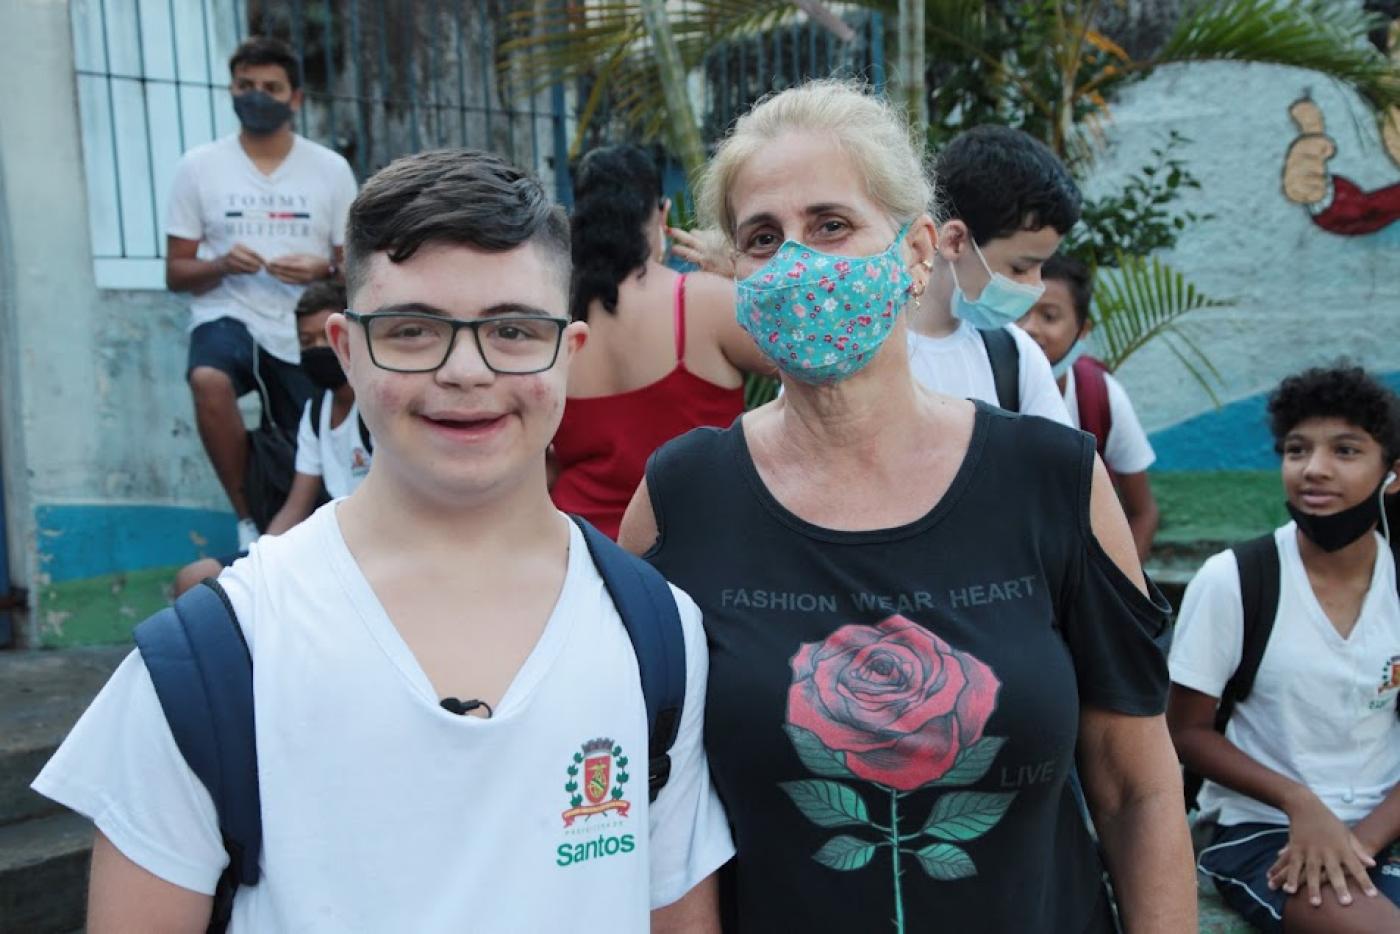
822,318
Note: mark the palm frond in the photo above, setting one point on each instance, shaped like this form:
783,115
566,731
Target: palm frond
1326,37
1144,299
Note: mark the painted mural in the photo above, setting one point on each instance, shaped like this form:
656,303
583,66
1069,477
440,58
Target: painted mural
1336,203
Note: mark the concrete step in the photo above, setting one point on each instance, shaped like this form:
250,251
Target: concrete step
43,874
42,693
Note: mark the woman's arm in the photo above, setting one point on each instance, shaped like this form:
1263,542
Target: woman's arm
1133,788
638,531
711,301
1140,507
1131,779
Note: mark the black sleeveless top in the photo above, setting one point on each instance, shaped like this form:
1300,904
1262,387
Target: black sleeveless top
892,715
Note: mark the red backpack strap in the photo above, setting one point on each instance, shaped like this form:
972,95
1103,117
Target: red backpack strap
680,319
1091,391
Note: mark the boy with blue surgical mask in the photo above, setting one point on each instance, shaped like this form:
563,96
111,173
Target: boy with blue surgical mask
1059,323
1010,202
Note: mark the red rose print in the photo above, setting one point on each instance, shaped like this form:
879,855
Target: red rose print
895,698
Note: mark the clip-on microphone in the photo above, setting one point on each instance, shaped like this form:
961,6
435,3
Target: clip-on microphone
462,708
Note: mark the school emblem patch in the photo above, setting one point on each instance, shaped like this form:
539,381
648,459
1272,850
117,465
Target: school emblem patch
597,774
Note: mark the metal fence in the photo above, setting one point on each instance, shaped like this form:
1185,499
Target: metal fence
381,78
740,71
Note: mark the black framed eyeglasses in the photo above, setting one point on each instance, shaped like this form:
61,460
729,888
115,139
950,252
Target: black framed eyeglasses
511,345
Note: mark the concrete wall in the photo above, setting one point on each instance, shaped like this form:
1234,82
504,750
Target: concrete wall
1304,295
103,469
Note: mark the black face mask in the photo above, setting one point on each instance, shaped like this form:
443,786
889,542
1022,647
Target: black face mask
1335,532
322,367
260,113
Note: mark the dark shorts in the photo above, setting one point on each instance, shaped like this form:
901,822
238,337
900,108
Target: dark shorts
1238,860
225,345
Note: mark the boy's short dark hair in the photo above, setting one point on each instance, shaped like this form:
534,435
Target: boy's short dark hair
267,50
1342,391
318,296
999,181
1076,277
460,196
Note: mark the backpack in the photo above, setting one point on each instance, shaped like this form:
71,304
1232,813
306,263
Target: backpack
1091,397
1258,564
1005,358
202,670
272,455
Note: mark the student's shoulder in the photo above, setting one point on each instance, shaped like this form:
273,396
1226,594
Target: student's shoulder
697,449
214,150
323,155
274,561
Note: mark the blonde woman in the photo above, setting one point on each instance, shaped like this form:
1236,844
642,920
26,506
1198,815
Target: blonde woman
922,611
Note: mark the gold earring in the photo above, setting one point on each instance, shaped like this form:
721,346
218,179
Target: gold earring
927,263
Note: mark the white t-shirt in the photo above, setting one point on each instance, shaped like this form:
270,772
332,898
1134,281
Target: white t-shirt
957,365
384,812
221,199
1322,710
339,456
1127,450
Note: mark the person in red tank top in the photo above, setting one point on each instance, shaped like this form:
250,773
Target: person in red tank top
664,353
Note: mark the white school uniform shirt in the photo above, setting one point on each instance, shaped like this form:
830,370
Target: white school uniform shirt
1322,710
383,812
957,365
1127,449
340,456
220,198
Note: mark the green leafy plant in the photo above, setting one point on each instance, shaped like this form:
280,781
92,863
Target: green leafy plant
1141,299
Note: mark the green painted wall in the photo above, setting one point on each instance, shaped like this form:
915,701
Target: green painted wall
1217,507
100,610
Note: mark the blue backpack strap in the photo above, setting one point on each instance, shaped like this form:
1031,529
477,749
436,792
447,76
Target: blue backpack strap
202,670
648,610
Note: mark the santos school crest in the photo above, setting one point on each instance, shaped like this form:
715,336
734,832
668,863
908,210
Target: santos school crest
597,775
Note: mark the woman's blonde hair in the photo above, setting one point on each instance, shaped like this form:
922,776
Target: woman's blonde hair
870,130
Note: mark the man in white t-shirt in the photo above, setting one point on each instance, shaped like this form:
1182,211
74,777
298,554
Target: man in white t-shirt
1009,203
333,445
1303,787
1060,324
447,574
253,218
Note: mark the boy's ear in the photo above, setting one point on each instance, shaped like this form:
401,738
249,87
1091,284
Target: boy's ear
1087,327
338,333
575,336
952,240
1392,483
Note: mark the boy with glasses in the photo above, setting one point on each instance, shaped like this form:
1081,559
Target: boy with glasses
447,574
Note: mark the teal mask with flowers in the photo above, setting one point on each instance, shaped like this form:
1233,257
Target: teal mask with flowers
822,318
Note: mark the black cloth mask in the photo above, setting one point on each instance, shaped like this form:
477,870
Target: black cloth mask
322,367
1335,532
260,113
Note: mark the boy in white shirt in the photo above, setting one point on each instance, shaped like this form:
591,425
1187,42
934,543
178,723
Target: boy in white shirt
333,446
447,574
1009,202
1304,783
1060,324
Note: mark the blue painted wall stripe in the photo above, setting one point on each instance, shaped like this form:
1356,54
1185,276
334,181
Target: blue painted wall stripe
80,541
1233,437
